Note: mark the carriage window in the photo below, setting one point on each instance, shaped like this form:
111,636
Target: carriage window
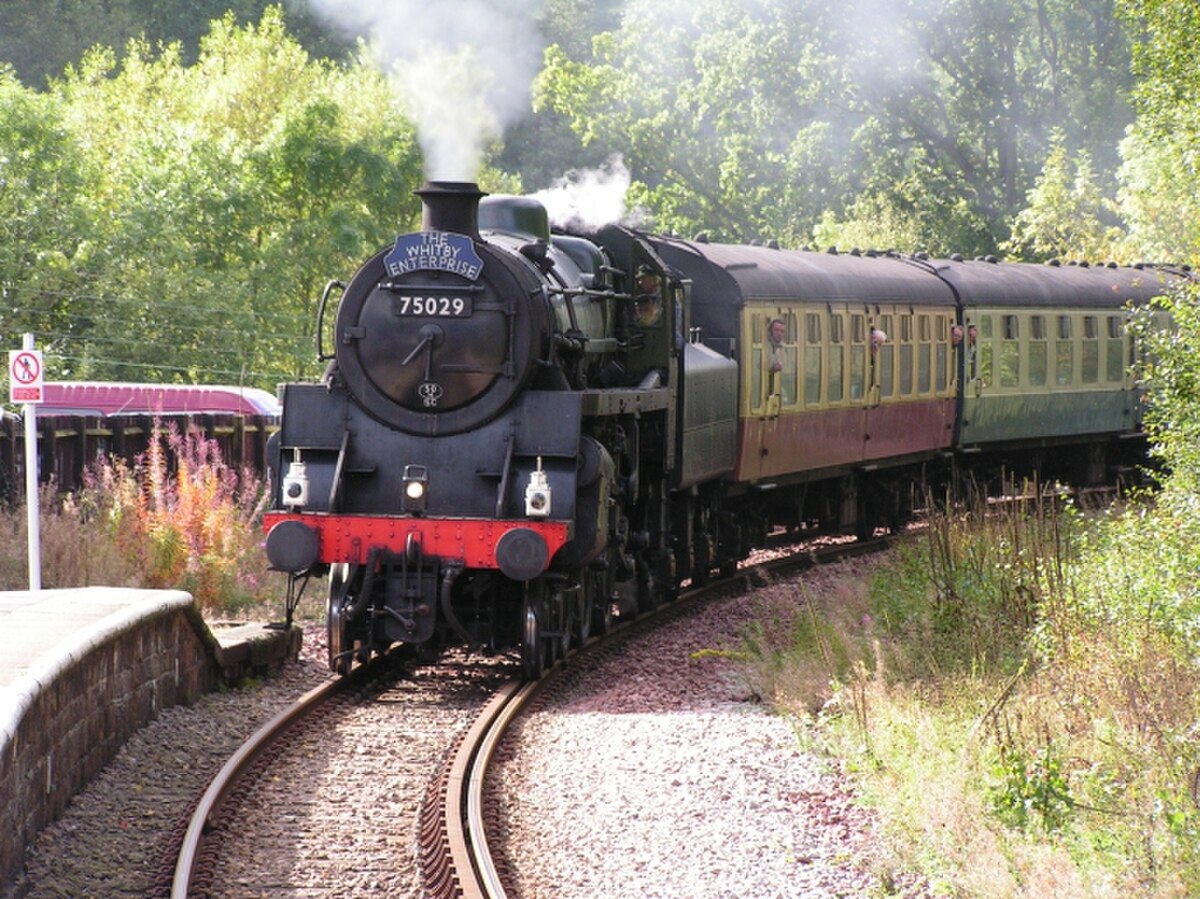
1064,353
983,370
1037,351
942,351
858,357
787,357
1115,350
756,360
924,354
906,354
887,359
1010,352
812,359
837,360
1089,355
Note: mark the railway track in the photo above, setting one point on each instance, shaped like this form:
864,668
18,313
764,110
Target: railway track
191,869
325,798
452,832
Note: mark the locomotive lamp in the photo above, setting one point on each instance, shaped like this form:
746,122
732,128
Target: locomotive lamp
537,493
416,488
295,482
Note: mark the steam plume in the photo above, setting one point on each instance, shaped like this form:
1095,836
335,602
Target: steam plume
462,68
586,199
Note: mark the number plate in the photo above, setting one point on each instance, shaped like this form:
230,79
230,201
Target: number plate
432,306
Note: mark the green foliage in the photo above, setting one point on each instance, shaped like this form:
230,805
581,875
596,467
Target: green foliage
970,590
1067,216
1030,790
1168,61
41,37
250,179
1157,198
43,179
923,212
1171,371
782,118
1025,698
1161,180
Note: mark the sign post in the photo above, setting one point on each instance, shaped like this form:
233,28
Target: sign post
26,379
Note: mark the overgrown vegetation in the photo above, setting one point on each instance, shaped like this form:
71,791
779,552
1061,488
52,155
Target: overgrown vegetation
1019,691
179,518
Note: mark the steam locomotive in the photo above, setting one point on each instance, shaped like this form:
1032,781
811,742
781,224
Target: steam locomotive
503,451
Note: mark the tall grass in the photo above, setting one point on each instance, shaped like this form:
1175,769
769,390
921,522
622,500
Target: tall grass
1019,693
178,517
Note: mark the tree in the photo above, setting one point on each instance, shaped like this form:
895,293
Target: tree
766,116
43,219
220,197
1067,215
1161,183
1161,176
40,38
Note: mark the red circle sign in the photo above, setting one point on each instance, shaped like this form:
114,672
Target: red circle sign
26,368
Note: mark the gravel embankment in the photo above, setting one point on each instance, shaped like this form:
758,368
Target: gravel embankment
656,776
111,840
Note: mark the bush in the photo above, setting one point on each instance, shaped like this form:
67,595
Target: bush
1023,707
178,518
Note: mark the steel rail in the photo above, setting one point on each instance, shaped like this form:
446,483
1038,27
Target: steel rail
204,818
472,870
471,860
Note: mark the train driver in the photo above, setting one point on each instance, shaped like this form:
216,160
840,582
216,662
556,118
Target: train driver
648,300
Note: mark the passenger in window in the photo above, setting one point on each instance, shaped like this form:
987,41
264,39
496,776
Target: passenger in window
956,335
776,332
878,339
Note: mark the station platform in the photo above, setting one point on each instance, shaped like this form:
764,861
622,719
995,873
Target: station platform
82,670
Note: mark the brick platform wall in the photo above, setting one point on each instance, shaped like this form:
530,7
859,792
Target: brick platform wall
77,724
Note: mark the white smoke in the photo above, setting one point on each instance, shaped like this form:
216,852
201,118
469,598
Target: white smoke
586,199
462,68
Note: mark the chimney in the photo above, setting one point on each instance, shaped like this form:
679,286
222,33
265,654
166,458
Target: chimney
451,206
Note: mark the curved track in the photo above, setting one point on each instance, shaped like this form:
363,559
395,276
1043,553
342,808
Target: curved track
207,816
454,856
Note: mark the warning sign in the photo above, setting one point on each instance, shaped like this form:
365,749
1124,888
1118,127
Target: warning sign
25,376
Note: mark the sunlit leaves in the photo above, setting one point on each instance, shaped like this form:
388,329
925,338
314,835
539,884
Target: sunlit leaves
767,117
219,198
